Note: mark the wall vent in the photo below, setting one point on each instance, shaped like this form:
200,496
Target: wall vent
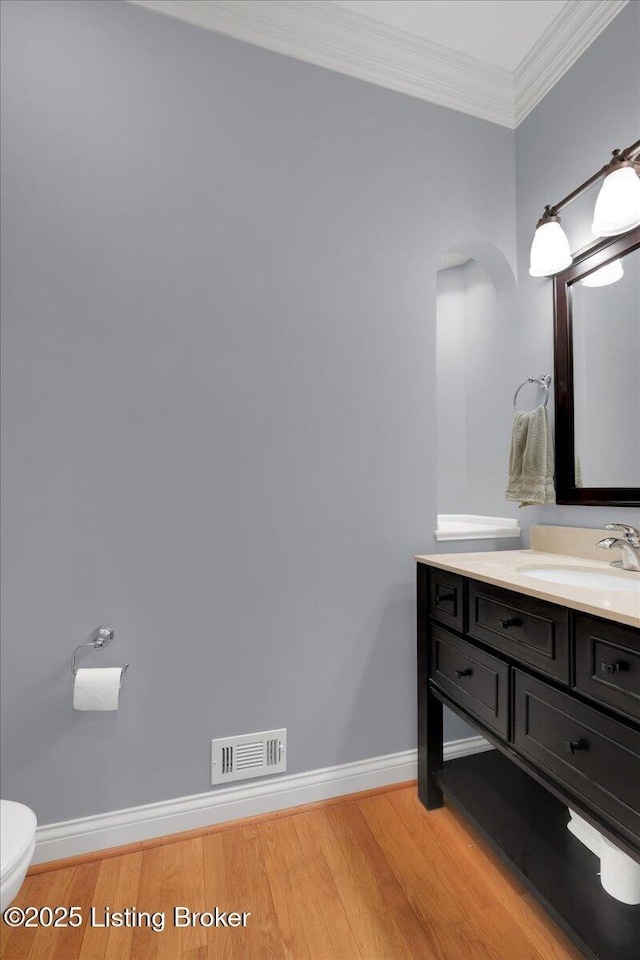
252,755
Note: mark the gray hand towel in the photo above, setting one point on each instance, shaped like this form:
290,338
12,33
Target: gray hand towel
531,462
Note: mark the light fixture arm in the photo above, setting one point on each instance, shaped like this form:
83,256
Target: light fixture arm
630,155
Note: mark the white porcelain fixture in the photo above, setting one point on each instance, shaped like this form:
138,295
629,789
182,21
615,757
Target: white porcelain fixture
584,577
618,205
17,843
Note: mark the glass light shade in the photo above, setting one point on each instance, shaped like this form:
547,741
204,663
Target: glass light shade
618,204
550,251
605,275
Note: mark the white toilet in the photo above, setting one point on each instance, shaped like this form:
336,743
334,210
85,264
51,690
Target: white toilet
17,843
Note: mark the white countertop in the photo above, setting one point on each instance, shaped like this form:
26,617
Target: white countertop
500,567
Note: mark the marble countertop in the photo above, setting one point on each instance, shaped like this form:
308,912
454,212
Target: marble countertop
501,568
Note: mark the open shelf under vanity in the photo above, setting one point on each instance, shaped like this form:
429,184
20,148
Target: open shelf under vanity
527,827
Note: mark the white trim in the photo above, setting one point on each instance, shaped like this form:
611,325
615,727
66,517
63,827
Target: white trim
462,526
338,39
55,841
567,37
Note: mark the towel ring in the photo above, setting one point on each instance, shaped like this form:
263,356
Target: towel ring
544,382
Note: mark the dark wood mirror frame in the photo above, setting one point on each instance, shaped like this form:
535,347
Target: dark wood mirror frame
585,262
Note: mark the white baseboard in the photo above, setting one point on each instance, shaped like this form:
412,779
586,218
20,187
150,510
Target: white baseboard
56,841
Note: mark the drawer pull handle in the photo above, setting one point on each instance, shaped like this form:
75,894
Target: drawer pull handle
464,673
511,622
571,746
445,597
614,667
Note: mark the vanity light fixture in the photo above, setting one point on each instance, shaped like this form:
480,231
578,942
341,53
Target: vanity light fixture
618,204
617,211
610,273
550,251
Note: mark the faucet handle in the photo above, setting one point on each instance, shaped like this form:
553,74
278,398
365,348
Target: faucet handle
630,534
607,543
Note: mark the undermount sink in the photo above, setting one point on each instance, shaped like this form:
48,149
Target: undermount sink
622,580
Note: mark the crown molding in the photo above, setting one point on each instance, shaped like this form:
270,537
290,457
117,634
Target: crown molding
563,42
329,36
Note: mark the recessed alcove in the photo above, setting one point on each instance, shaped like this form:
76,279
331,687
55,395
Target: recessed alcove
476,328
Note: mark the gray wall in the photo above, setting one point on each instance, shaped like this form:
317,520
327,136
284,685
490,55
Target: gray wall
218,395
219,382
592,109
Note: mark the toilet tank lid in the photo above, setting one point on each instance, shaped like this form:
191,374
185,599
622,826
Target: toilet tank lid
17,830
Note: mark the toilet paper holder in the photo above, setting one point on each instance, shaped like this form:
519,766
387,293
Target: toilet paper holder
100,637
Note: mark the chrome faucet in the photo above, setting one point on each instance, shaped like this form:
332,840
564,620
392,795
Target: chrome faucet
629,544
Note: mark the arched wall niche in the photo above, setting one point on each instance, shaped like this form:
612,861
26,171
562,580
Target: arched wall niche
495,265
476,375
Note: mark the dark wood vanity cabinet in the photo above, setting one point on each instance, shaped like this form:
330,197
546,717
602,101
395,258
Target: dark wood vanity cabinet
592,756
446,591
557,692
533,633
607,664
473,678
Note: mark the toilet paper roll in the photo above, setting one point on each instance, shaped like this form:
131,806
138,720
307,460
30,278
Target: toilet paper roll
585,833
619,874
97,689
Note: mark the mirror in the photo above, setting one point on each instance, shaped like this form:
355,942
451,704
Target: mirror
597,358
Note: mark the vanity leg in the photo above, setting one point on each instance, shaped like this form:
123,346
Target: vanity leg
429,707
429,751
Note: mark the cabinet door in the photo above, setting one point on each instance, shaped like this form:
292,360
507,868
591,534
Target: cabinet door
472,678
607,658
531,631
594,757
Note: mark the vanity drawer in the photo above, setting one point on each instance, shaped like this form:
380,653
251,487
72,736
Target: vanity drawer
596,758
529,630
472,678
607,659
447,598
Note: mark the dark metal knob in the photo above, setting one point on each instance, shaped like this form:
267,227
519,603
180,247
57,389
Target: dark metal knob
571,746
445,597
511,622
464,673
614,667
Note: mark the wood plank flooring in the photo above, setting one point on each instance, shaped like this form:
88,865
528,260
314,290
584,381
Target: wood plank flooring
369,877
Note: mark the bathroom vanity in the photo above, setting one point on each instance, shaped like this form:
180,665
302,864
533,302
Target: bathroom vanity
549,674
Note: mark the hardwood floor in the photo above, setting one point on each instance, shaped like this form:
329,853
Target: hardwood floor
373,876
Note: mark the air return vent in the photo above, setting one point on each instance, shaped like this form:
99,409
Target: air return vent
252,755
